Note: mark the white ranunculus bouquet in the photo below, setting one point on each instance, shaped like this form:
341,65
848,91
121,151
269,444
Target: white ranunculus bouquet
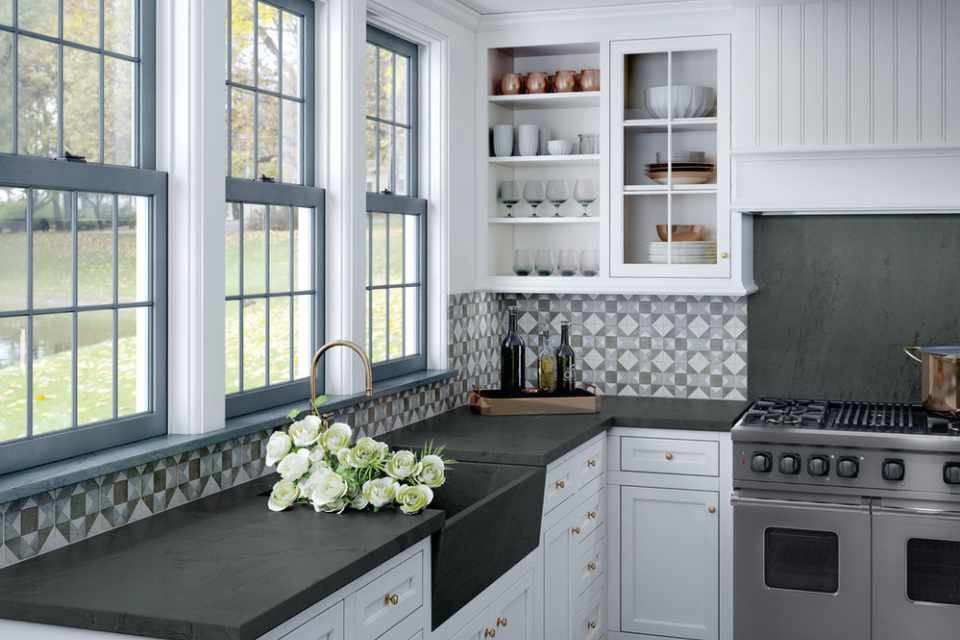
319,466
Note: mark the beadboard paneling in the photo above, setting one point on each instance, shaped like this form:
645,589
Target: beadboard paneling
847,72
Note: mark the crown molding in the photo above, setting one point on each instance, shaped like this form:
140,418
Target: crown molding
493,21
453,10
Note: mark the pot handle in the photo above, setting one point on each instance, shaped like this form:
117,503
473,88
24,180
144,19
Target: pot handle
910,353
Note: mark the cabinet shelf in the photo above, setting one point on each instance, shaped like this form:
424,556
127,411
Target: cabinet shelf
548,100
546,220
571,160
646,189
689,124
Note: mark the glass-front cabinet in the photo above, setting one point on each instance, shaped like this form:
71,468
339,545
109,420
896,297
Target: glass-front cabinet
669,158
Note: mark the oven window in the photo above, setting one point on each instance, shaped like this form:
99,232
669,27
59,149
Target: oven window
933,571
801,560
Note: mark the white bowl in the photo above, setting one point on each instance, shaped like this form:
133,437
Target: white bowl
560,147
688,101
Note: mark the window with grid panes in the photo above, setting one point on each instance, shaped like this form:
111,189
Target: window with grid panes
395,304
274,213
82,230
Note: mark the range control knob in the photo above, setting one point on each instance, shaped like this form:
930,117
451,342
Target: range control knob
761,462
893,469
951,473
790,464
848,467
818,465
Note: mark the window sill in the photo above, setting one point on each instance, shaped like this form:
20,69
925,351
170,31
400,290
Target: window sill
59,474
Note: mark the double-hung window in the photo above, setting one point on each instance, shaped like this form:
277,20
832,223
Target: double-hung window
274,213
395,317
82,230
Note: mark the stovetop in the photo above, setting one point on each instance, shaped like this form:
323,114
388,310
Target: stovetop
837,416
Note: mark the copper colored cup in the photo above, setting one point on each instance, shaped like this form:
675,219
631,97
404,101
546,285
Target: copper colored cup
590,80
566,81
510,84
536,82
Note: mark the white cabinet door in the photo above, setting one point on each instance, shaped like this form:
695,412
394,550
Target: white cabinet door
557,572
670,562
512,616
326,626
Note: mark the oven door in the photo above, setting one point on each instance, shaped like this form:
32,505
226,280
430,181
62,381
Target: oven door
916,585
801,570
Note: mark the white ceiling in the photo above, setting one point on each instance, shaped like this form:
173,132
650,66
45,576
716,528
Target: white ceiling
488,7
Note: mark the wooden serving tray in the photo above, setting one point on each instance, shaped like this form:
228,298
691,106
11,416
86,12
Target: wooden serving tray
493,402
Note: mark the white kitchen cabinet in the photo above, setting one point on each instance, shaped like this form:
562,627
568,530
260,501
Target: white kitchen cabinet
670,557
509,617
326,626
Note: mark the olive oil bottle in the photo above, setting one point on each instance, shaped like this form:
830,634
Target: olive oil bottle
546,366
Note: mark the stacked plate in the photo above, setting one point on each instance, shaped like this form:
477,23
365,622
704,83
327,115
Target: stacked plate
684,252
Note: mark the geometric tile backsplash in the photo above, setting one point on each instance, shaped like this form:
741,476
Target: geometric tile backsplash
664,346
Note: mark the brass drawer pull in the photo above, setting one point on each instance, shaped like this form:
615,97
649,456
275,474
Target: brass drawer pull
489,633
591,462
559,484
591,625
501,622
668,455
591,566
575,531
591,515
391,599
712,509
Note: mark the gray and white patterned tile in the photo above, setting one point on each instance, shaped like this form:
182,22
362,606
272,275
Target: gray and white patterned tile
29,528
77,510
120,501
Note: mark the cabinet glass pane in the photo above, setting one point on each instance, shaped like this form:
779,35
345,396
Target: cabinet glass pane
694,232
802,560
933,571
641,215
694,83
645,91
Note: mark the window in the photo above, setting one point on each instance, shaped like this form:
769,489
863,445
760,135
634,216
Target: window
83,288
395,317
274,214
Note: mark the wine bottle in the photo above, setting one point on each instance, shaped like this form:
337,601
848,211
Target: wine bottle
513,357
546,366
566,377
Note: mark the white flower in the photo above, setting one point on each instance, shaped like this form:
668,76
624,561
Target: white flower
337,506
284,494
431,471
414,499
326,488
305,432
294,465
368,453
336,437
278,446
380,492
359,502
318,457
402,464
345,457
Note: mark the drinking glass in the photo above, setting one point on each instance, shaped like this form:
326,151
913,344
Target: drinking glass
568,262
585,192
544,262
522,262
589,262
534,193
509,195
557,194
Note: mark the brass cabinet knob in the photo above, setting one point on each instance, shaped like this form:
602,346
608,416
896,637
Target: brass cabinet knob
724,255
591,462
575,531
391,599
559,484
591,566
489,633
712,509
591,515
668,455
501,622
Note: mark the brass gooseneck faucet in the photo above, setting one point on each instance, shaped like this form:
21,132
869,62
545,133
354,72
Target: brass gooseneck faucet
353,346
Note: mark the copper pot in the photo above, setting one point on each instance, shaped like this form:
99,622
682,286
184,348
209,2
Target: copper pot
939,377
536,82
511,84
565,81
590,80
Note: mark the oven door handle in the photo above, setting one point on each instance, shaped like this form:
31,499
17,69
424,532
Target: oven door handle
796,504
917,511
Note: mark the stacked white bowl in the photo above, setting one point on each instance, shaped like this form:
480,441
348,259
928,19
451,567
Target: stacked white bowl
688,101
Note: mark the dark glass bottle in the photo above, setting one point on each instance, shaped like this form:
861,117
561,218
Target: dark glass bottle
566,376
513,357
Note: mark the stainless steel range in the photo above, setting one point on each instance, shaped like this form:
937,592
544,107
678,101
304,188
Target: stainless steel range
846,522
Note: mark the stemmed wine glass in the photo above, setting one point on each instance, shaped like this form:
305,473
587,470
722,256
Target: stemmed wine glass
509,195
534,194
585,192
557,194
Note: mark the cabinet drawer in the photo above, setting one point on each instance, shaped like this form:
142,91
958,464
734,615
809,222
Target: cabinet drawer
589,463
590,562
326,626
389,598
659,455
590,514
590,622
560,485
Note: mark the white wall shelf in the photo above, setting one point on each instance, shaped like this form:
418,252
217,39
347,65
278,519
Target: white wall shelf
577,99
660,124
571,160
552,220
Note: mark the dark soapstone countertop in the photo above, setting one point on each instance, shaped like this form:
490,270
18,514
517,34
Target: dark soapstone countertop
223,567
539,440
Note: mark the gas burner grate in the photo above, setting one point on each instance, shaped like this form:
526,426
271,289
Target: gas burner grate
787,413
888,417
